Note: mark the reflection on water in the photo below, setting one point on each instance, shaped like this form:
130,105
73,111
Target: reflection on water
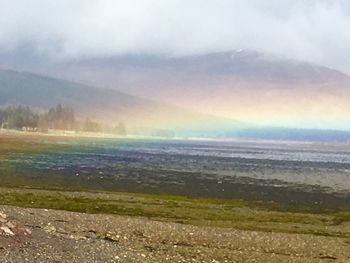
214,166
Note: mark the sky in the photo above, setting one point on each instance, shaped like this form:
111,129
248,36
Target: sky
315,31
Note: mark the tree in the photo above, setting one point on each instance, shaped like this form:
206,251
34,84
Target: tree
18,118
61,118
119,129
91,126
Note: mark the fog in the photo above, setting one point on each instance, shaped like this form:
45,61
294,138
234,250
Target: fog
314,31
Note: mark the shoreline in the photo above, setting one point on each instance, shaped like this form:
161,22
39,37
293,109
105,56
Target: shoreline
93,135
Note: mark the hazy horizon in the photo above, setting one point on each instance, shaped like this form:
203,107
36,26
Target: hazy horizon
268,63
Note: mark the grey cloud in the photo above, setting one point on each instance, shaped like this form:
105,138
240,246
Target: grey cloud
315,31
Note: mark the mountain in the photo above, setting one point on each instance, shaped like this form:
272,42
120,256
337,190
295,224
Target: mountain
243,64
244,85
110,106
142,116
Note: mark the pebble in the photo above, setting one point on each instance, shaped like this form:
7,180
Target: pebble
11,228
7,230
159,242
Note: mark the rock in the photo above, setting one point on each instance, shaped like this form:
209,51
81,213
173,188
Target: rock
111,238
10,224
7,230
28,231
12,228
3,215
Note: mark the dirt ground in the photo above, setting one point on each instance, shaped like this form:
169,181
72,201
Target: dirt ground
60,236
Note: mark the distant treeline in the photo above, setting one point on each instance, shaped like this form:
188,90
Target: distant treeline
58,118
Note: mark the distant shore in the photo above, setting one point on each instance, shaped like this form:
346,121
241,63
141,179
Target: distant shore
99,135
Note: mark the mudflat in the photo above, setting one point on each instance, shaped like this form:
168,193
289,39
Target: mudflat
120,200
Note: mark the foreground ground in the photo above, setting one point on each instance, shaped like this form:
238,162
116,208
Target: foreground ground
60,236
121,227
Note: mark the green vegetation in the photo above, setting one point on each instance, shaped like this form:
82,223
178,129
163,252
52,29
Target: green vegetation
18,117
197,211
9,145
58,118
61,118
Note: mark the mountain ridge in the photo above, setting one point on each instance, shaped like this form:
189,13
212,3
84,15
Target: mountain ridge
42,92
242,85
242,63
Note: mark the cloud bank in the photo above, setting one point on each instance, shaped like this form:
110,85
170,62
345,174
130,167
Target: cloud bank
314,31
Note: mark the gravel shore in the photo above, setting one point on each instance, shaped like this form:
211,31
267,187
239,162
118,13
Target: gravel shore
60,236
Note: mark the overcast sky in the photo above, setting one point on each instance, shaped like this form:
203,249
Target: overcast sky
315,31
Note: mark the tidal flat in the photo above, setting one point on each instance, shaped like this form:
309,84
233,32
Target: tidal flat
266,186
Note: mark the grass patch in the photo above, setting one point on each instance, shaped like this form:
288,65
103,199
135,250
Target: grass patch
171,208
16,145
